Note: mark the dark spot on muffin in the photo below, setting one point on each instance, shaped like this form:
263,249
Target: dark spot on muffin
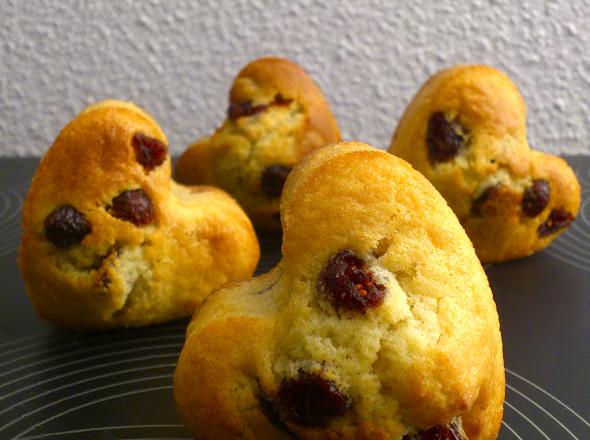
66,226
105,280
535,198
281,100
99,260
558,219
310,400
273,180
149,152
237,110
487,194
439,432
382,247
272,413
349,284
443,138
133,206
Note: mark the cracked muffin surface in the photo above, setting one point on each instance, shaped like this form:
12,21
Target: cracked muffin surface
276,115
110,240
465,130
367,327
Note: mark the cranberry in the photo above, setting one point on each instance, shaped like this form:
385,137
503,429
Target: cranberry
273,180
272,413
439,432
478,204
443,138
281,100
149,152
245,108
66,226
349,284
535,198
310,400
558,219
133,206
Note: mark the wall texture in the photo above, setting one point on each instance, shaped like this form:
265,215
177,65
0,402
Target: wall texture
177,59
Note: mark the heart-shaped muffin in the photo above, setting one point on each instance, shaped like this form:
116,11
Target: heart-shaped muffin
378,323
276,115
465,131
110,240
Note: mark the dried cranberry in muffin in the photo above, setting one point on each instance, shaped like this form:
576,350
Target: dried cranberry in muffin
310,400
281,100
237,110
133,206
535,198
272,413
558,219
478,203
66,226
439,432
349,284
443,138
149,152
273,180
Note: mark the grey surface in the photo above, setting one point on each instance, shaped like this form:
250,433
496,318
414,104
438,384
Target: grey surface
115,385
177,58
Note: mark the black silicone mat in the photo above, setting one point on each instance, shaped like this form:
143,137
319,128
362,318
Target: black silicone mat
118,385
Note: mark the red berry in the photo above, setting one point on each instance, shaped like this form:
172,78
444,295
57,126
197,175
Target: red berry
439,432
237,110
443,138
66,226
310,400
349,284
558,219
535,198
149,152
478,204
133,206
281,100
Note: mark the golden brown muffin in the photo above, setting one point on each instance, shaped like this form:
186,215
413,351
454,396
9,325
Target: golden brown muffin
465,131
277,114
378,323
110,240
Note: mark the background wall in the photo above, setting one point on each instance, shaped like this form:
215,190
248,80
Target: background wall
177,60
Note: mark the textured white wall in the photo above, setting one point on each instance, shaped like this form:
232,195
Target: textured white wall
177,59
